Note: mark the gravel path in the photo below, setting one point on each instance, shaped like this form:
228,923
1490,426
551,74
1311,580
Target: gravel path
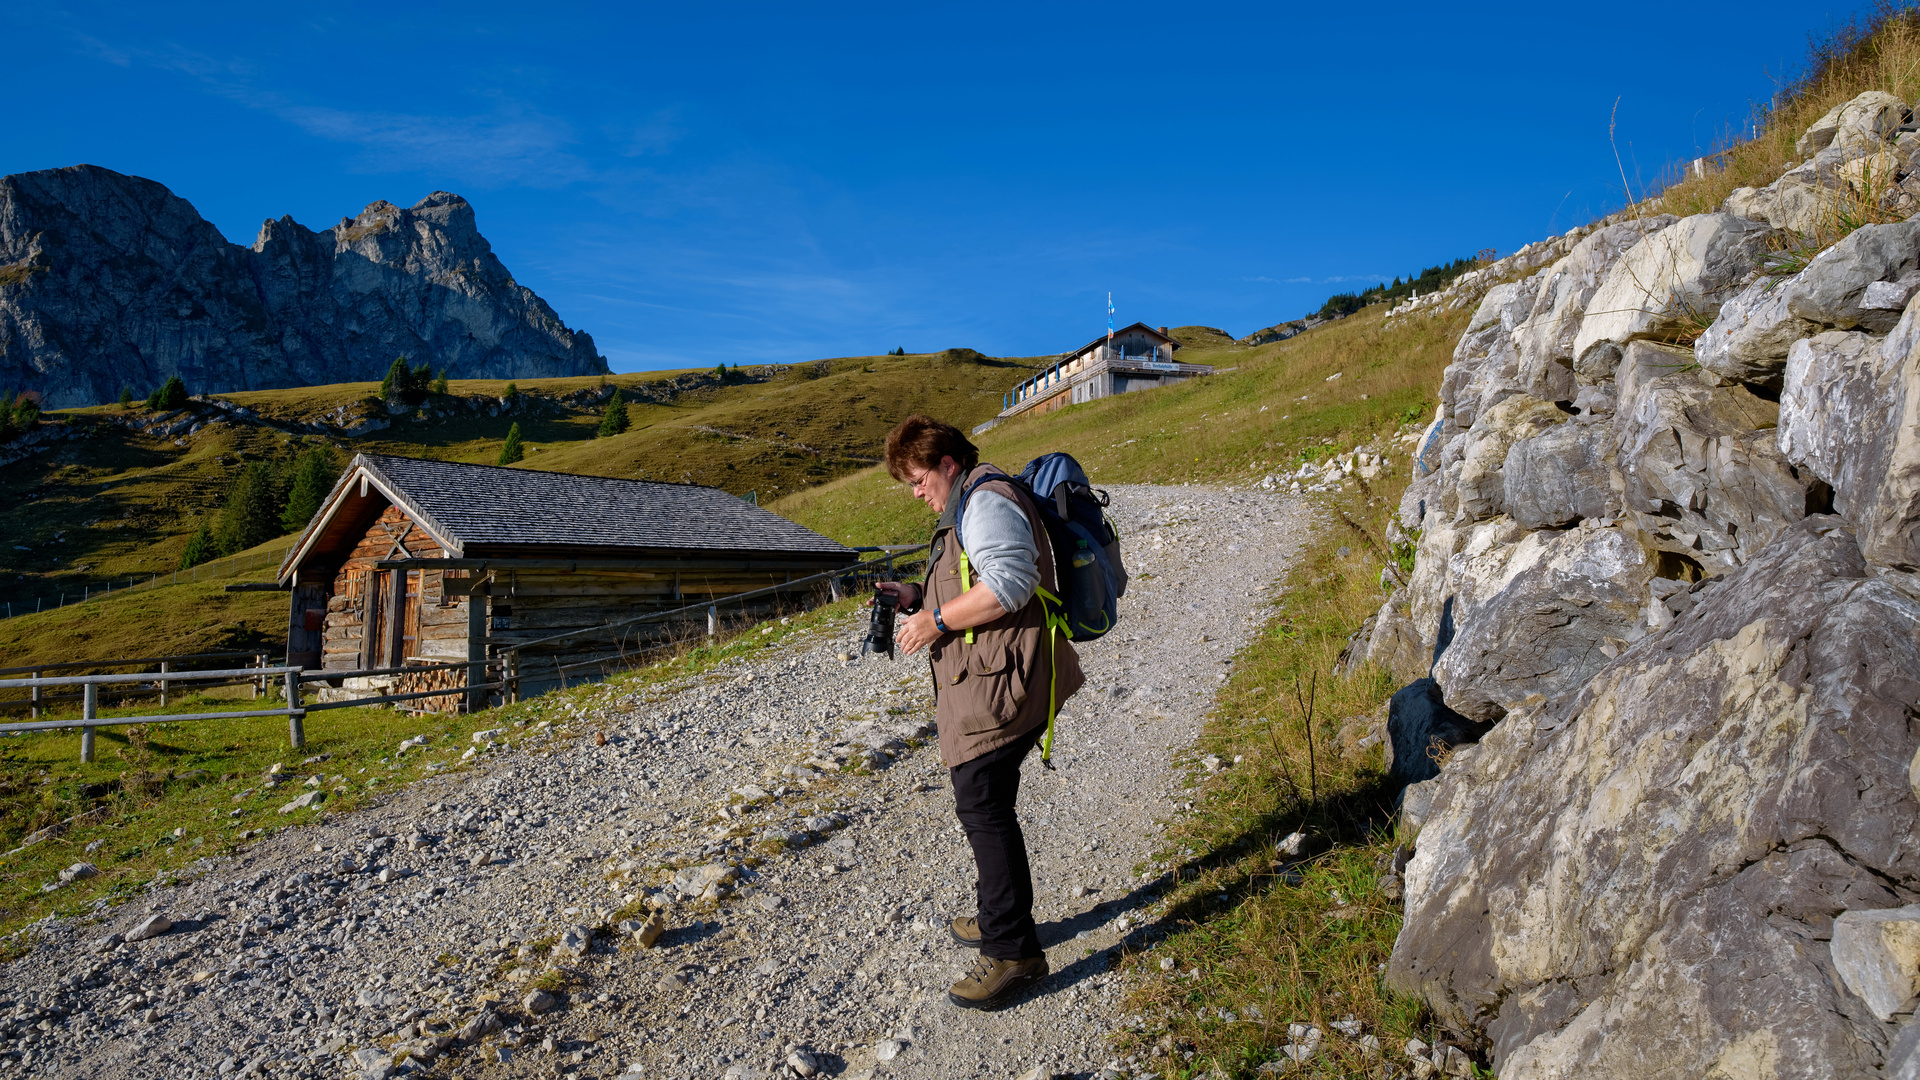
426,924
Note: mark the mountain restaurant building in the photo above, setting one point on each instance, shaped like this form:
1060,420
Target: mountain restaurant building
1138,357
430,561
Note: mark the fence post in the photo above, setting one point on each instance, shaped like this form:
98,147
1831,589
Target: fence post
296,727
713,620
259,681
833,589
39,694
165,666
510,672
89,710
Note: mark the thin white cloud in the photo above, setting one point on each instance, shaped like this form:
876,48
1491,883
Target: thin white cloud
512,143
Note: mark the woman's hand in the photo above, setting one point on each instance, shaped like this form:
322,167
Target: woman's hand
914,631
906,593
975,607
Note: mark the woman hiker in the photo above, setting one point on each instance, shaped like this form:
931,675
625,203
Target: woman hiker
994,675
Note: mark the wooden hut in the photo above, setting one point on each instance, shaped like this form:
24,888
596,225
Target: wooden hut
435,561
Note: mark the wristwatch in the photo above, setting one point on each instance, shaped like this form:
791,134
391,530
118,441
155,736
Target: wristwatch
942,625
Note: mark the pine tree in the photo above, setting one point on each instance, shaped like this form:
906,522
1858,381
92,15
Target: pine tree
720,372
126,397
511,452
252,512
26,412
396,375
512,396
440,383
614,421
313,477
172,394
199,547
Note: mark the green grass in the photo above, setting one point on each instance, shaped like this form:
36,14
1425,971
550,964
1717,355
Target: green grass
1272,938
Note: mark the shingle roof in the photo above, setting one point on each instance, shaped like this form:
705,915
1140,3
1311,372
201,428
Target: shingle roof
486,505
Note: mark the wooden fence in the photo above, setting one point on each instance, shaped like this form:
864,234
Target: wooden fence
434,685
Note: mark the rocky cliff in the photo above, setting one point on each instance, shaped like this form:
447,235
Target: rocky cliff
109,280
1668,524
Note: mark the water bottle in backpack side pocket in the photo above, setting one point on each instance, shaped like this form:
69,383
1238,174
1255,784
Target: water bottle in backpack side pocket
1087,592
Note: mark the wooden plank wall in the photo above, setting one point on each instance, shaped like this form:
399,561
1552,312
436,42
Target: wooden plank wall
355,581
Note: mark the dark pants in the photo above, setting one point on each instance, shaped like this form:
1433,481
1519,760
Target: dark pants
984,791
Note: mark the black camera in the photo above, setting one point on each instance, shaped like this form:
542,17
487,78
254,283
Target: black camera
880,624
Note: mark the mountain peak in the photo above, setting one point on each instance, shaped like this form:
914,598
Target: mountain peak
124,284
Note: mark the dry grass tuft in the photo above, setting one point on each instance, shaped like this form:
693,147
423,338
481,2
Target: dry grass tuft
1880,52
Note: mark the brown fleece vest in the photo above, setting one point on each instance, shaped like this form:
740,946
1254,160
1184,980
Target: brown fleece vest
994,690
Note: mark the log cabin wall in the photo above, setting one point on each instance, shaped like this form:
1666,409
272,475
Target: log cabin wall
427,621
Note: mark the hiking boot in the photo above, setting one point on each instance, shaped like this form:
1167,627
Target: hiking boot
992,983
966,932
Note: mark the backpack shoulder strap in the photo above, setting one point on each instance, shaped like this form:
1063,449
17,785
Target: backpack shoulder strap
975,479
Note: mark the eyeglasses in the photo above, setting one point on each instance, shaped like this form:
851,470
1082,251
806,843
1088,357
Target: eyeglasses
917,481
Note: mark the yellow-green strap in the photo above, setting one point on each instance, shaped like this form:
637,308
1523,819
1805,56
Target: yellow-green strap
1056,624
966,582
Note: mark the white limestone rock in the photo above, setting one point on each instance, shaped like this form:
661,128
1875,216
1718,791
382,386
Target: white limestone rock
1673,279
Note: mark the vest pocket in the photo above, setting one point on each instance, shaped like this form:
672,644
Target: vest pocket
990,691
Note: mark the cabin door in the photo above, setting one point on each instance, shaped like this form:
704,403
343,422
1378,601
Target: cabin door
393,617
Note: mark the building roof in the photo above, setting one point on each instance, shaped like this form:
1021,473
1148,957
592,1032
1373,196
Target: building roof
464,507
1102,339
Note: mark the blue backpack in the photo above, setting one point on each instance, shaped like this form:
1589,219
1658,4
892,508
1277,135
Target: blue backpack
1086,547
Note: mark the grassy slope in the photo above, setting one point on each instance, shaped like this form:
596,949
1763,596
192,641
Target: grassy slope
1234,426
119,505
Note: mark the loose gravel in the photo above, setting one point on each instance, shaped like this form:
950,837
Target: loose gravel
787,821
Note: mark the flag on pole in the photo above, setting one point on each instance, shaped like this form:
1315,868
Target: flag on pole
1109,318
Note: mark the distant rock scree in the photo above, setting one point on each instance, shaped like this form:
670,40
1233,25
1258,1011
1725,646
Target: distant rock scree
109,280
1667,533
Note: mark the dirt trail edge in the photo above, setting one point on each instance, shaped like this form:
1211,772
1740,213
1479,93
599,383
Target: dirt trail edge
791,812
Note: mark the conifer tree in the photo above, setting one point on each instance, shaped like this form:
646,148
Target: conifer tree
614,421
440,384
126,397
172,394
252,511
313,476
512,395
511,452
199,547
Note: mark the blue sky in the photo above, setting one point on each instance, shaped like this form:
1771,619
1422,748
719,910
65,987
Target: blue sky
696,184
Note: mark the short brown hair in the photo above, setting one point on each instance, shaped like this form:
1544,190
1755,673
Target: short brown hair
922,441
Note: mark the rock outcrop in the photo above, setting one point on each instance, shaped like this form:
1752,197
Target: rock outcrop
109,280
1667,523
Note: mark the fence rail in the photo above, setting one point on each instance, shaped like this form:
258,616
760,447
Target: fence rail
506,664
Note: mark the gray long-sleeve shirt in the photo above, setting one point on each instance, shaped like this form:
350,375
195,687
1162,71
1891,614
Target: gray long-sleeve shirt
998,541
